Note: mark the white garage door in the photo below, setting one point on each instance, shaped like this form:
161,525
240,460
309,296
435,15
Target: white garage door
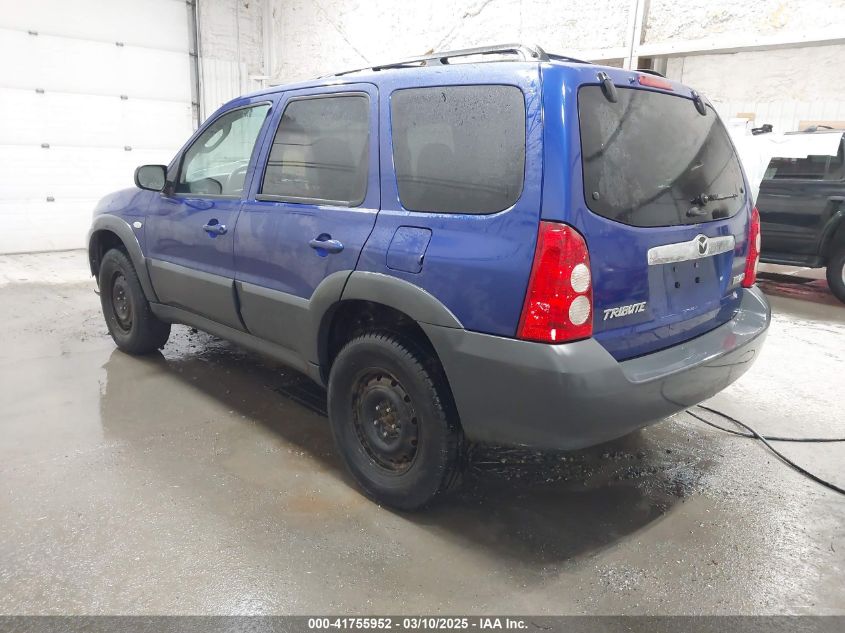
88,91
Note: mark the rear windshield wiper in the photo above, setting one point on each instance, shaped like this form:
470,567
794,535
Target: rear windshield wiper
703,198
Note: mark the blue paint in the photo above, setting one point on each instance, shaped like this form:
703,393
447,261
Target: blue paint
618,252
407,249
272,238
476,265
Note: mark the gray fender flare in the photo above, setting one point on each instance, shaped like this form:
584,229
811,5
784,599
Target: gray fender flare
401,295
119,226
323,302
366,286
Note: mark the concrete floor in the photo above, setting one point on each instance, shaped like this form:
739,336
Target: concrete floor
203,480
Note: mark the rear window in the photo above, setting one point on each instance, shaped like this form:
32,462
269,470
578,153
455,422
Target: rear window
459,149
649,157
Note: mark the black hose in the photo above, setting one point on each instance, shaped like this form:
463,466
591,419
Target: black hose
777,453
770,438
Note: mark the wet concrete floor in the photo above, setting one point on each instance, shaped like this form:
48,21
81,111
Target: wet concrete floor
203,480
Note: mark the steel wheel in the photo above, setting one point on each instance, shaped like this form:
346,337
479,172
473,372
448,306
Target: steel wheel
385,421
392,421
120,302
129,317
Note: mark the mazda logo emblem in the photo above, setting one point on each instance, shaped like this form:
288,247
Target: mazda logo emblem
702,244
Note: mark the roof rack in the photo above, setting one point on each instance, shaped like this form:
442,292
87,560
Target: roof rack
525,52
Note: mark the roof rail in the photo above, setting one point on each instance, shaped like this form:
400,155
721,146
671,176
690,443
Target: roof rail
525,52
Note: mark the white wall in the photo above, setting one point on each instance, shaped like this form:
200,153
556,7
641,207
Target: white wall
781,87
232,50
290,40
88,91
698,19
243,42
315,37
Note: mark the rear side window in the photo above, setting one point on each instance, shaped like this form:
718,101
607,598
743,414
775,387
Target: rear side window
649,157
320,151
459,149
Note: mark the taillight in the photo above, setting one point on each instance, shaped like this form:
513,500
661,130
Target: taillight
752,260
559,302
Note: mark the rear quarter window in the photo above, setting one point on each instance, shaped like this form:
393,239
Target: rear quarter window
459,149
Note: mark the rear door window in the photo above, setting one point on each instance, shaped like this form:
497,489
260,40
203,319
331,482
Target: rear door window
649,157
459,149
319,153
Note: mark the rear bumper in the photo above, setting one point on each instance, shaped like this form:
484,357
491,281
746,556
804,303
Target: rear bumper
576,394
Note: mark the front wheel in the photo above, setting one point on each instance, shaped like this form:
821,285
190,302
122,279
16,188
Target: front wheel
132,325
393,422
836,274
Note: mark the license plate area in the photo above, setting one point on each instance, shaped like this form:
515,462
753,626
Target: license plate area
690,285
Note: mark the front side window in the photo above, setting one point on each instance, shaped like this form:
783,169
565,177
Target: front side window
459,149
320,151
217,162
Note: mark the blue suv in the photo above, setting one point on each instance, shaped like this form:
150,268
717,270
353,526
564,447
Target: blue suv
493,245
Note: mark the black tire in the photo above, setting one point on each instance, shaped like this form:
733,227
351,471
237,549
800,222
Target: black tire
836,274
131,323
393,421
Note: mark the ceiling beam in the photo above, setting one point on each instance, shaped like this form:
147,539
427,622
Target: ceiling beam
743,42
714,45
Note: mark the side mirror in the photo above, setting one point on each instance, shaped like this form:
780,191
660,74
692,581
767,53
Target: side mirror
151,177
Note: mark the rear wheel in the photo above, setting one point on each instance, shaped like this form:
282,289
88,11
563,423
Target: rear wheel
393,422
131,323
836,274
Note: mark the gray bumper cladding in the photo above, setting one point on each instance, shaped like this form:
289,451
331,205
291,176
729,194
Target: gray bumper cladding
574,395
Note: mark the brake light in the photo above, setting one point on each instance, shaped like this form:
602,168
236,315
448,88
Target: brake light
653,81
752,260
559,302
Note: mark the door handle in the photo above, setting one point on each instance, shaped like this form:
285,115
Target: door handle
215,229
327,245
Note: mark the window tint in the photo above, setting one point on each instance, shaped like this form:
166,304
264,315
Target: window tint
217,161
810,168
649,155
459,149
320,150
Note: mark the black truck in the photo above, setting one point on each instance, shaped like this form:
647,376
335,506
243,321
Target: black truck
802,210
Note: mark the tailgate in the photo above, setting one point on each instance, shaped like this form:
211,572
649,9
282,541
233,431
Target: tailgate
667,218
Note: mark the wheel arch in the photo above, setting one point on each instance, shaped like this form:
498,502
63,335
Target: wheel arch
378,301
109,231
833,237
